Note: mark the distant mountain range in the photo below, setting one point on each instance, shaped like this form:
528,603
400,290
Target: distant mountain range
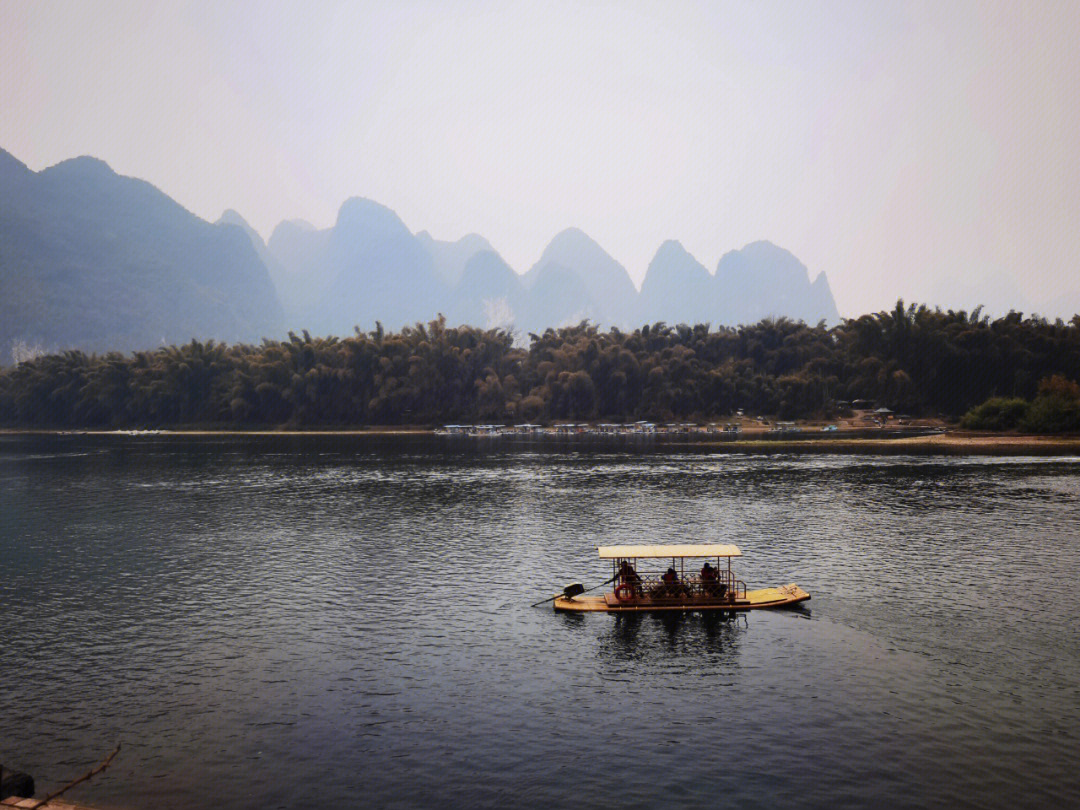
369,266
93,260
96,261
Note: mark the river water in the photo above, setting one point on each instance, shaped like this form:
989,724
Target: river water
276,621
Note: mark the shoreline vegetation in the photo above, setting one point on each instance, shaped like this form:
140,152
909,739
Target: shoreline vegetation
909,366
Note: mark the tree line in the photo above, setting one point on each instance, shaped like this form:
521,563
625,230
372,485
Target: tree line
911,359
1056,409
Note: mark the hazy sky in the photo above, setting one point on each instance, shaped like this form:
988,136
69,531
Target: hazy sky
920,150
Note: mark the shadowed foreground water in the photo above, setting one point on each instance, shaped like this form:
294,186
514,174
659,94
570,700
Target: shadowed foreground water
279,621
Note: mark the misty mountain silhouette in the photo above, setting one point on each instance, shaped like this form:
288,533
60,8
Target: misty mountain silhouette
93,260
97,261
677,288
558,296
301,274
611,293
763,280
368,267
450,258
380,271
231,217
489,293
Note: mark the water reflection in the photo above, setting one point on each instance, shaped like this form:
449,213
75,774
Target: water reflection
660,639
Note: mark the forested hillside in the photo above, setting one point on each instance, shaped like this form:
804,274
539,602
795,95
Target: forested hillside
92,259
911,359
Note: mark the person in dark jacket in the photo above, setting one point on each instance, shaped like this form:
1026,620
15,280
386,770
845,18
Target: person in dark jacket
710,580
628,576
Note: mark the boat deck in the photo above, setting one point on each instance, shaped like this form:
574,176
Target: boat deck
782,596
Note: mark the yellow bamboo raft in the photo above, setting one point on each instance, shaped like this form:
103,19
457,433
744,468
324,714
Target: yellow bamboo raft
713,589
782,596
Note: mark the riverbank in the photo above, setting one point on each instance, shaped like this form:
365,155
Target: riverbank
952,443
946,444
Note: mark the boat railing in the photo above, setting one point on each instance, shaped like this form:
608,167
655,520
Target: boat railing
725,586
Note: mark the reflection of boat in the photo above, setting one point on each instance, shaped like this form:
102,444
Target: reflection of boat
711,589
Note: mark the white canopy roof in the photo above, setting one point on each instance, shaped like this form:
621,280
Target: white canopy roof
684,550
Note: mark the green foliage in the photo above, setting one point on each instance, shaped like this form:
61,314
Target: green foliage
1052,415
997,413
911,359
1056,409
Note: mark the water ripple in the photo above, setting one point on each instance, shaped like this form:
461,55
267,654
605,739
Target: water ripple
290,618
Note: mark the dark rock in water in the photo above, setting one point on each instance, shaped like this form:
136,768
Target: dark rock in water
14,783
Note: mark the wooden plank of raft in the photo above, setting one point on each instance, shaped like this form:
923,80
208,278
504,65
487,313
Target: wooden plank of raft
755,600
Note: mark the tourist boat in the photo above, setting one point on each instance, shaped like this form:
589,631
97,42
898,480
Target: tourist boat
677,588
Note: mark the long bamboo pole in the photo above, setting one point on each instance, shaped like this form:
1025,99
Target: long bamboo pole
84,778
556,596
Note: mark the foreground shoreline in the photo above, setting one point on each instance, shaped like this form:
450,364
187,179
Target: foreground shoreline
55,804
956,443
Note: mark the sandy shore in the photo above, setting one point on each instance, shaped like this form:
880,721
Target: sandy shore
948,444
952,443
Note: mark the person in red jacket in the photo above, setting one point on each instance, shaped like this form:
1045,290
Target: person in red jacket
672,586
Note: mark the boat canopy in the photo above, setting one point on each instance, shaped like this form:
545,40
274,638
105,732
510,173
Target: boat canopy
660,552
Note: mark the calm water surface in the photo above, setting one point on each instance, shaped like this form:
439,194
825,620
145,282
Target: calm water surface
281,621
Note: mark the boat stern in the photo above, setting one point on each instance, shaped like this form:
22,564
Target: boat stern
579,604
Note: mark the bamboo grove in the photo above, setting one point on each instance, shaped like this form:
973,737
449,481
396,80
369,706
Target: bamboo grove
915,359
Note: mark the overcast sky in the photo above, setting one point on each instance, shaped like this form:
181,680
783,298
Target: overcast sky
927,151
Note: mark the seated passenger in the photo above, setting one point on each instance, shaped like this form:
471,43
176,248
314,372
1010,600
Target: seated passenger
710,580
671,585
